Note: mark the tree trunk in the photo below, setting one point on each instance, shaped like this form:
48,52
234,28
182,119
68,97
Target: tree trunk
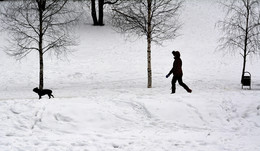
93,12
41,71
41,6
245,42
149,64
101,12
244,68
149,40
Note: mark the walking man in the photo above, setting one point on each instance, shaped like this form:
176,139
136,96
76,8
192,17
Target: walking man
177,72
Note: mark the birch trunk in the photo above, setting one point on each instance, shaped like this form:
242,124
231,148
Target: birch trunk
149,40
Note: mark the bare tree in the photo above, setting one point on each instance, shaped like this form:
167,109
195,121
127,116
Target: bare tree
241,28
155,19
101,4
38,25
94,12
97,8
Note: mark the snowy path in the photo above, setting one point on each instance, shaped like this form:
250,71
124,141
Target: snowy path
131,119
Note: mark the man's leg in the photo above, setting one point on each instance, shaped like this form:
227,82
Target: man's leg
184,85
174,79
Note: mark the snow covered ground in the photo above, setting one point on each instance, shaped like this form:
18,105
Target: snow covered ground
102,104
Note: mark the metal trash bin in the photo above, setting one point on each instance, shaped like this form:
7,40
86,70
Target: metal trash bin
246,80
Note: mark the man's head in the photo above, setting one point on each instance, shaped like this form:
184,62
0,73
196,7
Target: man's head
176,54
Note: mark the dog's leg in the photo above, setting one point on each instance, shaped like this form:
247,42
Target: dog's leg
50,95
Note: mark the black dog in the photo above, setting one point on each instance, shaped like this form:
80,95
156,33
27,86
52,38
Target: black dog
43,92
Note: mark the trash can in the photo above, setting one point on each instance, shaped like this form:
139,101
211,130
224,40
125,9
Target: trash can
246,80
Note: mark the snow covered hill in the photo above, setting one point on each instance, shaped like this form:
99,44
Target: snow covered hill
102,104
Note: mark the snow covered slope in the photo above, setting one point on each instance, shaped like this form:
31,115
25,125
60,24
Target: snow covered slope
102,104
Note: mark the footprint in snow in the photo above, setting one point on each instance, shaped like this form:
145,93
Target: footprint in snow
258,107
15,111
60,117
